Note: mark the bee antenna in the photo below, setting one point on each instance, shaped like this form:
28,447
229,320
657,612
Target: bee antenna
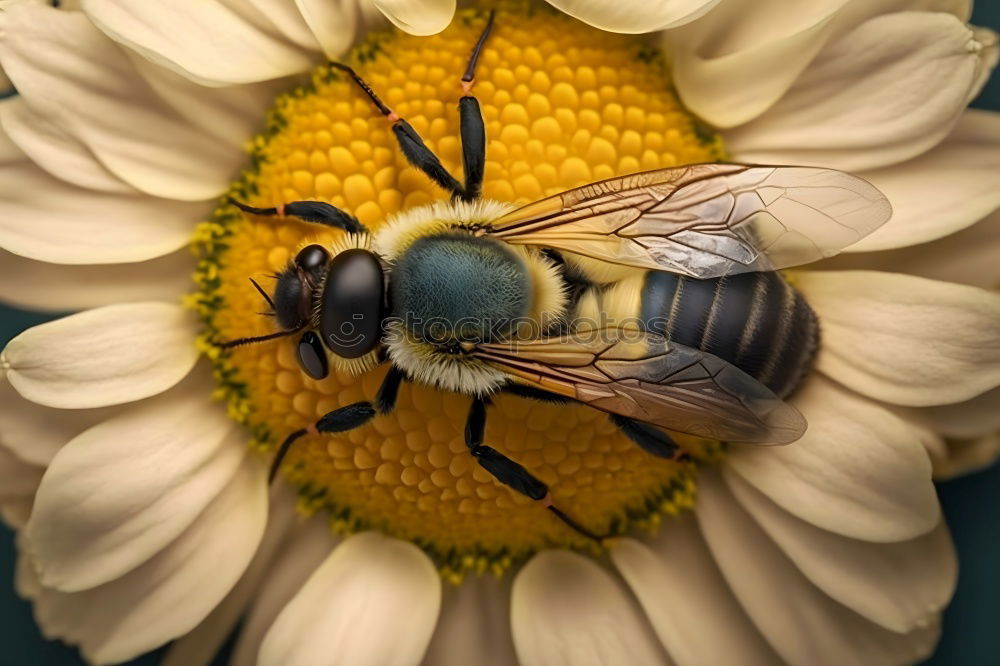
262,292
239,342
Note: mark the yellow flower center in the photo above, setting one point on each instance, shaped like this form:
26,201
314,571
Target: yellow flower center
564,105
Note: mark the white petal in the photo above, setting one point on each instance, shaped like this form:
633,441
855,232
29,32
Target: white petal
72,75
967,257
903,339
106,356
369,583
34,433
802,624
732,65
170,594
901,586
335,24
475,625
884,93
944,190
210,42
200,645
567,611
418,17
968,455
307,548
15,513
18,479
858,471
970,419
687,599
35,285
54,149
635,16
161,463
44,218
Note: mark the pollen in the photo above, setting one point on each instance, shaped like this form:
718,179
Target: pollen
564,105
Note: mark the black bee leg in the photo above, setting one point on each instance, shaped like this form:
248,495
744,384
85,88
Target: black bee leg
385,399
316,212
414,149
508,472
471,123
532,393
651,440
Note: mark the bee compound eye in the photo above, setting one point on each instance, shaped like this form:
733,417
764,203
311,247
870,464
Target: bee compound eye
312,258
312,356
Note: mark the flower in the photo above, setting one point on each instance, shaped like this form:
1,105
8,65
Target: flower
143,515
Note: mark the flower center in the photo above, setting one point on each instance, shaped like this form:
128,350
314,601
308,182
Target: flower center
564,105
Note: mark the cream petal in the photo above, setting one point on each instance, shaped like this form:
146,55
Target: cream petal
370,582
36,285
15,513
47,219
18,479
70,74
418,17
475,625
732,65
858,471
198,647
211,42
106,356
900,586
687,600
903,339
961,420
335,24
967,257
802,624
174,591
307,548
945,190
635,16
35,433
567,610
884,93
54,149
161,464
967,455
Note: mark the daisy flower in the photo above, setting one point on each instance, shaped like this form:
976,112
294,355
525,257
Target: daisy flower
134,450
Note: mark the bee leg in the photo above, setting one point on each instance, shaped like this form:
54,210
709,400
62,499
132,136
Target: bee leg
414,149
317,212
651,440
385,399
532,393
510,473
471,123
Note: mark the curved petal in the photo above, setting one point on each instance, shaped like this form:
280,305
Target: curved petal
945,190
884,93
335,24
858,471
171,593
101,357
307,548
970,419
18,479
802,624
968,455
418,17
162,463
732,65
211,42
475,625
71,75
901,586
687,600
370,582
635,16
903,339
36,285
567,611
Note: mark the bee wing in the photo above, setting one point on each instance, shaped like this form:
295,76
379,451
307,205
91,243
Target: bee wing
705,220
642,376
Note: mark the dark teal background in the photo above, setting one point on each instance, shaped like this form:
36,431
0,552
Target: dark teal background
971,504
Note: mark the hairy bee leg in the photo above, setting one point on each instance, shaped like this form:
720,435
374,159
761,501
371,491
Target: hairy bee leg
316,212
508,472
385,399
471,124
650,439
532,393
414,149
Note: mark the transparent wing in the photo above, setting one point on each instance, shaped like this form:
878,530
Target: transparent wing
642,376
705,220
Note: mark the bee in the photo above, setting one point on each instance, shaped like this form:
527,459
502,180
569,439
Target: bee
545,300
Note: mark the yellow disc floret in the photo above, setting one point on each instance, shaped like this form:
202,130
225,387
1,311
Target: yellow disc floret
564,105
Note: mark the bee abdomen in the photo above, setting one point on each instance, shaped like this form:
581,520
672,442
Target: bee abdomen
756,321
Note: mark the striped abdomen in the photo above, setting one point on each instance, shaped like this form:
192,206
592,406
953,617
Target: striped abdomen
756,321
